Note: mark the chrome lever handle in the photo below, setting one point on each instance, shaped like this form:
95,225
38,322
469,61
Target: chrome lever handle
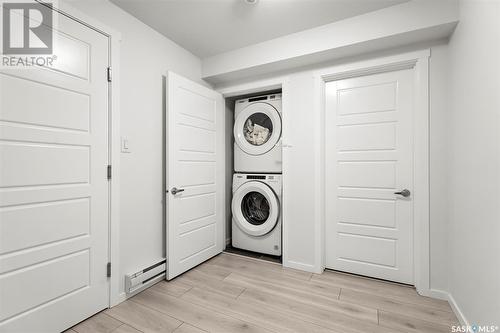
176,190
405,193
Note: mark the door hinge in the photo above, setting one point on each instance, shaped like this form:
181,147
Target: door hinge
109,172
109,74
108,270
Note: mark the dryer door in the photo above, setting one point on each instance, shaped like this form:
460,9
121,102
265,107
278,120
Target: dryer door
255,208
257,129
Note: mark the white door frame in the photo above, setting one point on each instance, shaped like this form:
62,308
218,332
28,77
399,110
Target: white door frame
64,8
281,82
419,62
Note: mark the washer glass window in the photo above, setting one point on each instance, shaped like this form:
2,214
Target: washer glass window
255,208
258,128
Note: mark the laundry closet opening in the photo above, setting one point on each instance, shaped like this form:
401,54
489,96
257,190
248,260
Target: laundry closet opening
253,136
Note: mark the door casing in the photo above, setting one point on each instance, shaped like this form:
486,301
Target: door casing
257,87
418,62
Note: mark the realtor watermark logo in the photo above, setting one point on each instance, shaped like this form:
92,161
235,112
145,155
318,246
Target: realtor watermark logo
475,329
27,34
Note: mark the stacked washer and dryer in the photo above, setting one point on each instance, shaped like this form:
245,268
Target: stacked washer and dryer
257,181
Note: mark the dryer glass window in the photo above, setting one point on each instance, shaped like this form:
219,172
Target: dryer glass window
258,129
255,208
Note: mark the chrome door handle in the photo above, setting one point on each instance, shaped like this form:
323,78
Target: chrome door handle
405,193
176,190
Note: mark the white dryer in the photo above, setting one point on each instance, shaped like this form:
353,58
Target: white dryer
257,134
256,208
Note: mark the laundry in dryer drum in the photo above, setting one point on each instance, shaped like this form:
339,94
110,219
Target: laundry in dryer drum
256,134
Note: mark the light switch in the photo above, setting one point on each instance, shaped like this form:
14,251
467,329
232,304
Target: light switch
126,145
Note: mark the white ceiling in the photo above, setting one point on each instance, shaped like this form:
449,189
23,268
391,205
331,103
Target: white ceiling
209,27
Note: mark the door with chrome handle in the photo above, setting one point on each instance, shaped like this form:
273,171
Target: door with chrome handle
405,193
176,190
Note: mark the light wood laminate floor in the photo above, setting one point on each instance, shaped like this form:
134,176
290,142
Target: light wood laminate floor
231,293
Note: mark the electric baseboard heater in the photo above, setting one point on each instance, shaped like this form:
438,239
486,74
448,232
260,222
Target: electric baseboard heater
144,278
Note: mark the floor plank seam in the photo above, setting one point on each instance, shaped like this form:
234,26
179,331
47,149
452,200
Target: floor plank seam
156,310
167,314
300,316
227,313
190,288
152,308
267,281
241,293
183,322
113,330
110,315
203,306
286,312
445,327
175,329
395,298
319,306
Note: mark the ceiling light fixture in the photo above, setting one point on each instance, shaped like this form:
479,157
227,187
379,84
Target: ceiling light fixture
251,2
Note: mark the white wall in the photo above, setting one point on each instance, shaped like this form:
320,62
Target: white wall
300,194
145,56
407,23
474,162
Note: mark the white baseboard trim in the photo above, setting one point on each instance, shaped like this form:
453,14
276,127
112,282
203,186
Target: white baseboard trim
121,297
434,293
446,296
458,312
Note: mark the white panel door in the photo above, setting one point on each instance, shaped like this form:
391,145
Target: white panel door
369,228
195,167
53,186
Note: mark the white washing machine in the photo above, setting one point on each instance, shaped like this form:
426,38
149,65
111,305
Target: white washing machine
257,134
256,211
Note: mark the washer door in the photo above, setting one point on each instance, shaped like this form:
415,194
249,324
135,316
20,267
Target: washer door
255,208
257,129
